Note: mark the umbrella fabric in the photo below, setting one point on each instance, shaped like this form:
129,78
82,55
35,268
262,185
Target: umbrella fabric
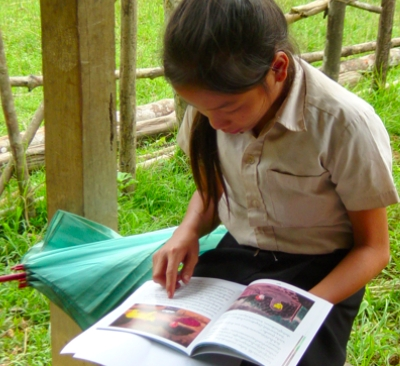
87,269
67,229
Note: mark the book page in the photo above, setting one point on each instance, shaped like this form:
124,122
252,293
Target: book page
179,321
270,323
110,348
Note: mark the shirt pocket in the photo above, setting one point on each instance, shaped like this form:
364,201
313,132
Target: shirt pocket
303,201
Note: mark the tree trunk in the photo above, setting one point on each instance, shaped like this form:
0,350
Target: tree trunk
180,104
17,147
127,154
35,153
144,114
334,38
349,78
383,43
367,63
157,109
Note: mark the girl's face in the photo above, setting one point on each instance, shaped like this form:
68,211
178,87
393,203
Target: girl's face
238,113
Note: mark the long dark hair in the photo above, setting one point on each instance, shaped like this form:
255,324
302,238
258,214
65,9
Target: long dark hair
226,46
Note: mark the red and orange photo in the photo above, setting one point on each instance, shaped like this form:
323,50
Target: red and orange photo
175,324
281,305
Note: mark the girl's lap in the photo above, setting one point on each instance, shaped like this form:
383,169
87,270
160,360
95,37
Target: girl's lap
243,264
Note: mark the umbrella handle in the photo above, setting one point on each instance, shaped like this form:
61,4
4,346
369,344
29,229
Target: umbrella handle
14,277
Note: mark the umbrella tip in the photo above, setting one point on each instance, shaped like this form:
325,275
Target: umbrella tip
20,277
23,284
18,267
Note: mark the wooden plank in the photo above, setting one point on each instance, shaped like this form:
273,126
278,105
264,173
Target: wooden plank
79,92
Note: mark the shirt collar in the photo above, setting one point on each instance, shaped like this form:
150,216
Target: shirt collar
291,112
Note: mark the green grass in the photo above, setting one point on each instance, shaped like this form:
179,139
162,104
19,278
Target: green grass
160,205
375,338
164,189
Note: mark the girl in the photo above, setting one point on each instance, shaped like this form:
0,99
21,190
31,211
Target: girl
297,168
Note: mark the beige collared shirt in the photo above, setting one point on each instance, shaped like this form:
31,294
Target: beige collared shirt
325,152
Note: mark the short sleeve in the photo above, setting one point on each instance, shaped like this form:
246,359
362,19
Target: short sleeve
362,164
183,138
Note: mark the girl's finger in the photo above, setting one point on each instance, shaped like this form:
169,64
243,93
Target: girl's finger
159,269
172,275
188,267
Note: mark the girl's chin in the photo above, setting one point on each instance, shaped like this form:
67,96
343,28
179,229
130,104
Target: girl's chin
233,132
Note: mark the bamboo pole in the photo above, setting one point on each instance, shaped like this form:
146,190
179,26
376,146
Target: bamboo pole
334,39
127,154
383,44
147,73
363,6
25,141
33,81
16,145
347,51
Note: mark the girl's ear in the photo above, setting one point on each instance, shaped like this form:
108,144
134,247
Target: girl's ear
280,66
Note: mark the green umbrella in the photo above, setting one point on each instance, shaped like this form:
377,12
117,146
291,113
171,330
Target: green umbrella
87,269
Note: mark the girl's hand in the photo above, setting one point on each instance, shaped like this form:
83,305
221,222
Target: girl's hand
183,248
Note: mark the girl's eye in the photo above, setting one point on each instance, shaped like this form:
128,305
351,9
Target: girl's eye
233,110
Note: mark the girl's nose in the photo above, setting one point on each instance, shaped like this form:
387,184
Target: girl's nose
218,122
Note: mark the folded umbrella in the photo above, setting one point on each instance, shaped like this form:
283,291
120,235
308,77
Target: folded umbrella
87,269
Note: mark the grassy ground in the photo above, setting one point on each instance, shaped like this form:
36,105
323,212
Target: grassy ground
163,191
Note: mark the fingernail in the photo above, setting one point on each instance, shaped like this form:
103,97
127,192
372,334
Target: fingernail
169,293
186,278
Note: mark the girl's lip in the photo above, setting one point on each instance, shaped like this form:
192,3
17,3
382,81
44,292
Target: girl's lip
233,132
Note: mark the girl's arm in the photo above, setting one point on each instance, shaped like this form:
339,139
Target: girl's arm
365,260
183,247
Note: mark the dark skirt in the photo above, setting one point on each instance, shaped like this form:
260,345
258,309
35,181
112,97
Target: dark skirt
244,264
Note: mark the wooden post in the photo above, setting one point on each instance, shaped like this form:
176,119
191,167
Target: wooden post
78,50
334,39
383,43
127,93
180,105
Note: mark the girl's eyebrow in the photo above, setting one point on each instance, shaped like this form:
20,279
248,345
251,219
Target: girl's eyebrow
223,105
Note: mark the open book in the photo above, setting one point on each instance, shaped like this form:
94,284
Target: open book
268,323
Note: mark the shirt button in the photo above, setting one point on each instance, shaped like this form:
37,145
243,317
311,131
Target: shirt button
256,204
251,160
